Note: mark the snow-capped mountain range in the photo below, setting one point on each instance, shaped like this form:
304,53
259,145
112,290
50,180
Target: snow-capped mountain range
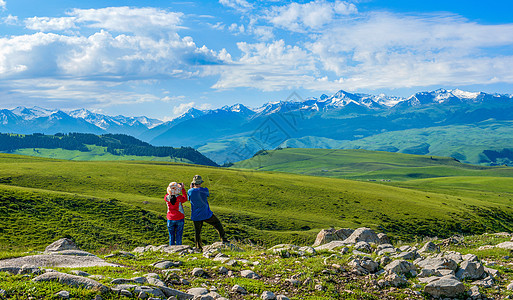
36,119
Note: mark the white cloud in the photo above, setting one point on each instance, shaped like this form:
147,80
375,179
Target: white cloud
309,16
3,5
182,108
267,66
128,19
50,24
240,5
10,20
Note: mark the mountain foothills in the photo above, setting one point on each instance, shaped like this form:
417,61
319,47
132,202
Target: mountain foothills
86,146
471,127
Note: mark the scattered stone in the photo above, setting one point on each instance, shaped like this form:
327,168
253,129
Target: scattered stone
364,265
266,295
222,270
232,263
363,247
400,267
198,272
471,270
385,260
149,291
60,245
155,281
169,292
396,280
166,264
447,286
487,282
492,272
197,291
437,263
80,273
293,282
239,290
456,256
63,294
470,257
282,297
328,235
474,292
430,247
408,255
319,287
331,245
249,274
505,245
72,280
363,234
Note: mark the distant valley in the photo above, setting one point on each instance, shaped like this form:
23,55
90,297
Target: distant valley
471,127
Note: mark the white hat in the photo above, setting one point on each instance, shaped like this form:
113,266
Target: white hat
173,189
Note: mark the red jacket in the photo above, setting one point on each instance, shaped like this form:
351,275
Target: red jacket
175,212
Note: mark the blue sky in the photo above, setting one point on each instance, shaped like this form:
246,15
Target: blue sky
159,58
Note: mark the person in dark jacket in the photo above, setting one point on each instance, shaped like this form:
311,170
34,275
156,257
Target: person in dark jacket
200,211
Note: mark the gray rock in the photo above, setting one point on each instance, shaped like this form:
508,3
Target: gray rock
249,274
396,280
492,272
400,267
197,291
198,272
437,263
505,245
383,239
510,286
331,245
456,256
385,260
62,244
363,246
306,250
328,235
232,263
239,290
80,273
72,280
126,293
149,291
293,282
447,286
363,235
29,270
176,293
282,297
266,295
474,292
155,281
63,294
470,269
363,266
470,257
487,282
135,280
408,255
222,270
55,261
166,264
430,247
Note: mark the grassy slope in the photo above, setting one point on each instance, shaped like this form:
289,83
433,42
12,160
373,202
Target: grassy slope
465,141
96,153
363,164
265,207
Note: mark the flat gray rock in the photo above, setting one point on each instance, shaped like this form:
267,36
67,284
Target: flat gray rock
55,261
447,286
62,244
331,245
72,280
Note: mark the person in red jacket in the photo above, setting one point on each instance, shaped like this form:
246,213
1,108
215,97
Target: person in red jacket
176,195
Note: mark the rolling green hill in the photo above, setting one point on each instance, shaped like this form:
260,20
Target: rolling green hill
267,208
365,165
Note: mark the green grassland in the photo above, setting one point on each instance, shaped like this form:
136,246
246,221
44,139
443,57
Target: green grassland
96,153
264,207
365,165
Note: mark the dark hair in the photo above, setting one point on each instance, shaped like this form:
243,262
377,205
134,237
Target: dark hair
172,199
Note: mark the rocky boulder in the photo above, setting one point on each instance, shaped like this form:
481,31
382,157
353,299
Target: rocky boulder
430,247
364,265
400,267
447,286
60,245
72,280
332,234
471,270
364,235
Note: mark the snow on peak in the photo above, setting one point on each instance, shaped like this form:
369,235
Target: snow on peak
467,95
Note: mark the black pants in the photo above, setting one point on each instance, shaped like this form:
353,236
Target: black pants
214,221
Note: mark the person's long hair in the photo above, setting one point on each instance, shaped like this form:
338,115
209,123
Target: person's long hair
172,199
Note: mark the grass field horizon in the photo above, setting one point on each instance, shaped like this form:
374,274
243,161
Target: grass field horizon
362,164
264,207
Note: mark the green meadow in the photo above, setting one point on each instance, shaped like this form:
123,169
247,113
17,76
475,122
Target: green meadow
119,204
365,165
